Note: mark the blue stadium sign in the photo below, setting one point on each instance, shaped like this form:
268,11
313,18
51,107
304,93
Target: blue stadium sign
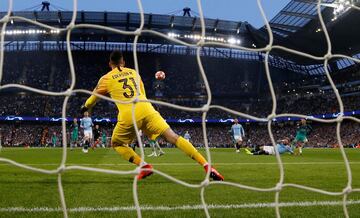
12,118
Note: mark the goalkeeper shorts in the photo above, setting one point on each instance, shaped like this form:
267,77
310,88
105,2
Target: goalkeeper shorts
152,125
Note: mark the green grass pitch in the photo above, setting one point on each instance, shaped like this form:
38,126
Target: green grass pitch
319,168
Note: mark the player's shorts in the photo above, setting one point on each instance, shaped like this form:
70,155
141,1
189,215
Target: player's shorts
74,137
237,138
269,149
88,133
302,139
152,126
96,137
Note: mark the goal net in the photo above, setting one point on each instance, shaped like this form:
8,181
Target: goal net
204,109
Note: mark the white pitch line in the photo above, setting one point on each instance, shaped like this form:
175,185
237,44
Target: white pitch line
187,164
183,207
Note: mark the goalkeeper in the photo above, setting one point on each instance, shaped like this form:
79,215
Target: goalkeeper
121,83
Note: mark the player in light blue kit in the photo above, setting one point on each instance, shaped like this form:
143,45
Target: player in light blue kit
237,132
187,136
86,124
282,147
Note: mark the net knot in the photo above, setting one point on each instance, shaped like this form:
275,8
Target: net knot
70,26
68,92
5,19
271,116
137,32
205,183
200,43
278,187
268,48
138,169
136,100
340,118
61,168
328,56
205,108
347,190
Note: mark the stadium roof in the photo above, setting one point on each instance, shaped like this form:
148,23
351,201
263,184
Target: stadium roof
295,15
296,26
130,21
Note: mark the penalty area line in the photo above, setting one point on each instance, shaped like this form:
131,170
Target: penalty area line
183,207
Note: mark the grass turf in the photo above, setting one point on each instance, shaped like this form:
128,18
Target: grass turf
319,168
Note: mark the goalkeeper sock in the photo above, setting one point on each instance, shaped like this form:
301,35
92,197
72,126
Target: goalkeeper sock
190,150
128,154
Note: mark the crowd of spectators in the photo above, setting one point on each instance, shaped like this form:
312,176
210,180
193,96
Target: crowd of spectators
236,84
51,106
323,135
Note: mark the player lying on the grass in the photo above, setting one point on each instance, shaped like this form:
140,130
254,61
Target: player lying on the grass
238,133
282,147
86,124
156,149
302,132
121,84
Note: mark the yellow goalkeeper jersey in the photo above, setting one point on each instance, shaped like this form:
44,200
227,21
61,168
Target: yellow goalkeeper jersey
120,84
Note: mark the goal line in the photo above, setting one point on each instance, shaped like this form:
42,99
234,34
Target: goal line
175,208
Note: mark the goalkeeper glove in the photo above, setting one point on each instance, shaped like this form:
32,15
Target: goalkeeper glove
83,109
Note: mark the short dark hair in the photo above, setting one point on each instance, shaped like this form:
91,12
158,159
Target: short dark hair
115,57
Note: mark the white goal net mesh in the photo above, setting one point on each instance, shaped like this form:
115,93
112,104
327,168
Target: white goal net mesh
198,45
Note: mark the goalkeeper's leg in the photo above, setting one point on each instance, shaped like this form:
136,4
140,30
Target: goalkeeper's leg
129,154
154,125
122,136
191,151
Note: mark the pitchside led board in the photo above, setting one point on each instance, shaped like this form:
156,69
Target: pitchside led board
193,120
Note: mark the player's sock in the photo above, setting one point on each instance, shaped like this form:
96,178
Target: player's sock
87,143
247,151
261,152
128,154
296,151
93,145
152,145
190,150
